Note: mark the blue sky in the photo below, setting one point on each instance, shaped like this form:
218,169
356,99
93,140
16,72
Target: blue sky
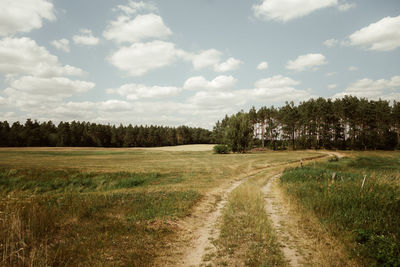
190,62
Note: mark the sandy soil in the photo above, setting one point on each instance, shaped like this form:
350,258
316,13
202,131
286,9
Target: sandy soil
281,220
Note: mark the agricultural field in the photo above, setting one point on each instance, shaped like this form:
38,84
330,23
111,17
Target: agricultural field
70,206
184,206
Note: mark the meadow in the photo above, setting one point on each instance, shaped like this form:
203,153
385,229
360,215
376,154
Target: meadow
357,200
84,206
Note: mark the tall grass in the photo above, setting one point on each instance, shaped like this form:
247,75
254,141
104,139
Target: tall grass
366,217
43,181
247,237
66,217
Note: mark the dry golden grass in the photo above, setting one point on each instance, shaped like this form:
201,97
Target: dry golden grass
119,227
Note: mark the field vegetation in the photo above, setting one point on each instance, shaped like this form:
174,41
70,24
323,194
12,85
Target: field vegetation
357,199
247,236
108,206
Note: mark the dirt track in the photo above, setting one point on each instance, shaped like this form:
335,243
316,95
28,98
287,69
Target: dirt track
200,229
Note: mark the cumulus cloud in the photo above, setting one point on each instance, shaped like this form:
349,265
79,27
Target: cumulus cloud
220,83
286,10
263,65
62,44
269,90
332,86
229,65
373,89
137,91
352,68
277,81
59,86
134,7
278,89
212,58
24,15
24,56
140,28
140,58
383,35
207,58
36,92
306,62
85,38
331,42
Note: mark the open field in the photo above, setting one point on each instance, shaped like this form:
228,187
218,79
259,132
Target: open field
184,206
357,200
109,206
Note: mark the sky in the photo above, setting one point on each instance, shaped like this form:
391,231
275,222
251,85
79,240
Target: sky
181,62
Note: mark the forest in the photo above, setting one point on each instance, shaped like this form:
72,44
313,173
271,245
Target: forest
86,134
347,123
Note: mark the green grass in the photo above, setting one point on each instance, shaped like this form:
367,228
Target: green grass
51,181
71,229
247,236
106,207
366,218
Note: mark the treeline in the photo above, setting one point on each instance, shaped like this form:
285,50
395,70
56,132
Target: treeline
85,134
347,123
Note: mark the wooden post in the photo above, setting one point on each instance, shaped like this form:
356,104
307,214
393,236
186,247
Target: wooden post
365,177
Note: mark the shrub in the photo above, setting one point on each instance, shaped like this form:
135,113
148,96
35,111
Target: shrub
221,149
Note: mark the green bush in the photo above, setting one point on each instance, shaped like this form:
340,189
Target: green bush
221,149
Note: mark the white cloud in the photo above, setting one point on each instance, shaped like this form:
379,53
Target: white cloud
24,56
62,44
383,35
306,62
331,42
140,58
332,86
212,58
229,65
277,81
137,91
220,83
135,7
346,6
55,86
263,65
217,99
31,93
373,89
24,15
277,88
270,90
85,38
352,68
286,10
207,58
140,28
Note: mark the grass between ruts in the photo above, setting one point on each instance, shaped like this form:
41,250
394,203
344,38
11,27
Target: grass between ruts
366,218
106,207
246,235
